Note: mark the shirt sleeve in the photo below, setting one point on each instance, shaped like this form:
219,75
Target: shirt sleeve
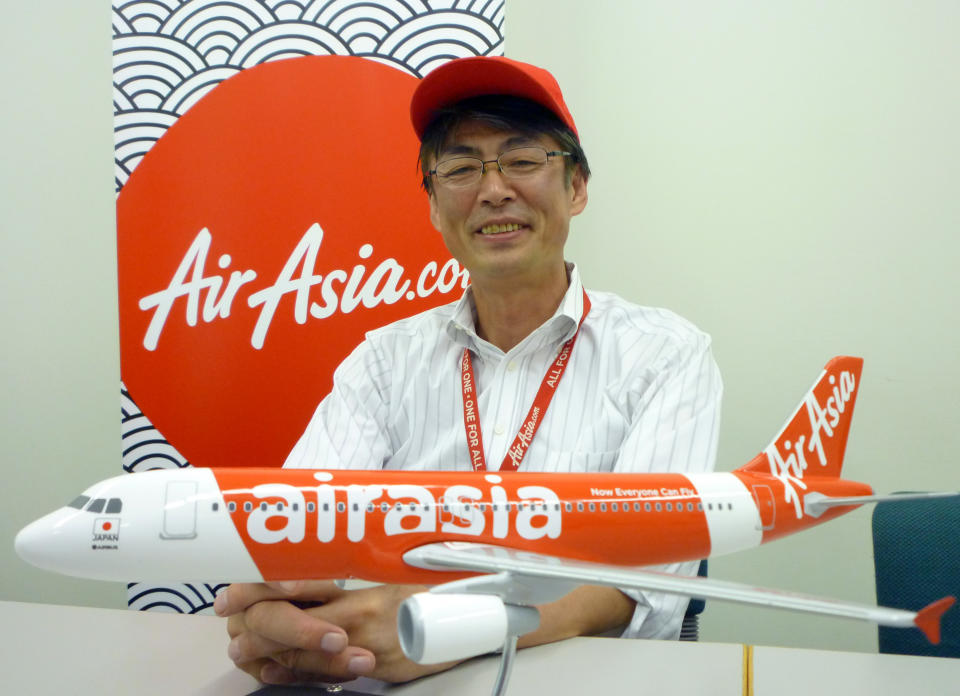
348,429
674,428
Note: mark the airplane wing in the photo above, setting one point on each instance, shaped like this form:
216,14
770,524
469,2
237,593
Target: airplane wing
514,570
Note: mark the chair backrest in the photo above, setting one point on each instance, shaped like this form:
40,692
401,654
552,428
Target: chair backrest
690,628
916,552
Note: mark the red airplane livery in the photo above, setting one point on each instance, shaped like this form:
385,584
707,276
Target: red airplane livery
492,544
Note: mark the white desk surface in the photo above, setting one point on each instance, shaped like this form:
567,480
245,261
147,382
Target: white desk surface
790,672
48,649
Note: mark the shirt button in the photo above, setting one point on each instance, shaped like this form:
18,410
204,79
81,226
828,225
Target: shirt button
498,430
511,366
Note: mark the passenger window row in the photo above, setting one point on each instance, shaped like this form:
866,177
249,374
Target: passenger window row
482,507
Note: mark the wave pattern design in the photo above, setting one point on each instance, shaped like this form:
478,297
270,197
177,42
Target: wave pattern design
144,448
167,54
176,599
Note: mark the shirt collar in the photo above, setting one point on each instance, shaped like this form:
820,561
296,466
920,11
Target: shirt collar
461,327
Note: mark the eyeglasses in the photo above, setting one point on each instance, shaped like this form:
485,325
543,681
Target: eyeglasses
518,163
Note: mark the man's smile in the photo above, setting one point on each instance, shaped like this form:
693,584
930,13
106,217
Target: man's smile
500,229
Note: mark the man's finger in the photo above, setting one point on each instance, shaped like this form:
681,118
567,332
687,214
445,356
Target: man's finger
281,622
307,666
249,645
273,673
362,611
240,596
255,668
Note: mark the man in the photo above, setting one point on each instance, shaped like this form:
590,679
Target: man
633,389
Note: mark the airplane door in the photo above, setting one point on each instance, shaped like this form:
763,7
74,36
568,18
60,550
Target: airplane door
765,504
460,515
180,511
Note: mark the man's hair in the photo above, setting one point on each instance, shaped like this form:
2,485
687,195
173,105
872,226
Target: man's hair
504,112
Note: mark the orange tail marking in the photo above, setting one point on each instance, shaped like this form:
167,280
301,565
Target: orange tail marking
821,422
928,618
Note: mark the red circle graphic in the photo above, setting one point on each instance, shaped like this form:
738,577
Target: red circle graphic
271,226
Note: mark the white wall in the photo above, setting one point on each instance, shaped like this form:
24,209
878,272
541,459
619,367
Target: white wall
787,175
59,374
782,173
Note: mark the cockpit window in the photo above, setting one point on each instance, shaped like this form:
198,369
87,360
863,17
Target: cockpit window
112,506
79,502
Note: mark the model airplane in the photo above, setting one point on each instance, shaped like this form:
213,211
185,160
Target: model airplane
493,545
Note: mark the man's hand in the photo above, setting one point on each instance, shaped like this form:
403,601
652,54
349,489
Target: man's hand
290,632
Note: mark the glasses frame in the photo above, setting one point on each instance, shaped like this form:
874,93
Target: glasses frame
483,165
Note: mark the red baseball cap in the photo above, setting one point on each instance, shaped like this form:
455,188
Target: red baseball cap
471,77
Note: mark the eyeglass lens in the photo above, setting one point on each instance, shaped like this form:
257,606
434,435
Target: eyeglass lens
515,163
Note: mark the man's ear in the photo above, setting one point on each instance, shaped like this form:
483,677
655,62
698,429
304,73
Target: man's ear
578,192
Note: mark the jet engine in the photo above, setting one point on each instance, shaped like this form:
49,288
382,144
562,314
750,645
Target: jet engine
437,627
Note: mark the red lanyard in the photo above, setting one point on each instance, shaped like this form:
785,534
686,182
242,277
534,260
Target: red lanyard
548,387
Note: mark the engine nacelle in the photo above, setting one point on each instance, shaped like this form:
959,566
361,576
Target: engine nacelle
435,627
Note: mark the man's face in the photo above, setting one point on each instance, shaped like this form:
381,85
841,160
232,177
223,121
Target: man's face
534,213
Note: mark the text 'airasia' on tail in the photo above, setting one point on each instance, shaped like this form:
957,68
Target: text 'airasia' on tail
814,439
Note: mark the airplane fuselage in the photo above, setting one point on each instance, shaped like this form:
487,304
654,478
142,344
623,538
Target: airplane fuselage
279,524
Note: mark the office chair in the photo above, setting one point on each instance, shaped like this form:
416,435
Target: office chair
916,555
690,628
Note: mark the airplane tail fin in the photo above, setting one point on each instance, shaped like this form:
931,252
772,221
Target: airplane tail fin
814,439
928,618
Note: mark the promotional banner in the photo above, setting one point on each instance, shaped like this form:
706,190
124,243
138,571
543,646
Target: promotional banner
269,213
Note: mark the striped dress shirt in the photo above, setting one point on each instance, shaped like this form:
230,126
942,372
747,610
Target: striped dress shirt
641,393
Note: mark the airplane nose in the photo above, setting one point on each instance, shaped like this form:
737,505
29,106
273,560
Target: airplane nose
29,544
45,544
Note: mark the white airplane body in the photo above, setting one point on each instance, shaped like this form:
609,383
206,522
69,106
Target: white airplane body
492,544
